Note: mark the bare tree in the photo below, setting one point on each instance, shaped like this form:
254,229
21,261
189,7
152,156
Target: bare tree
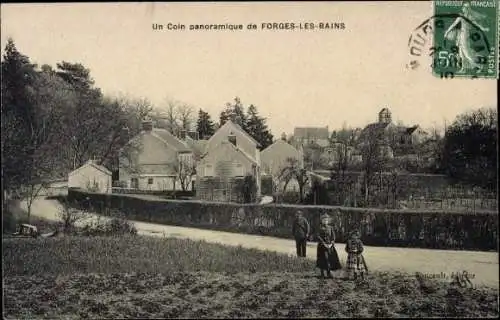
185,170
186,116
293,170
287,172
374,151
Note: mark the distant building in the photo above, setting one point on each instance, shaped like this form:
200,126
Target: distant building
275,158
311,135
392,139
91,177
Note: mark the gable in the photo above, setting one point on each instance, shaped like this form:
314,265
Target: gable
243,141
90,167
231,127
276,156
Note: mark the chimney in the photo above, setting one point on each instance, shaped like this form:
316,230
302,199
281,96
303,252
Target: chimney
124,135
193,134
232,138
147,124
182,134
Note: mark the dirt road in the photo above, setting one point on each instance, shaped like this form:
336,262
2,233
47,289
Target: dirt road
483,266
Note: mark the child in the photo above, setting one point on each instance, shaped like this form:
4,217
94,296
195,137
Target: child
355,260
327,258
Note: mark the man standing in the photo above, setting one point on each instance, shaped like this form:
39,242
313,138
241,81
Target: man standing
301,230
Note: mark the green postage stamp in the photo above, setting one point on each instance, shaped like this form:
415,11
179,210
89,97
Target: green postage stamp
465,39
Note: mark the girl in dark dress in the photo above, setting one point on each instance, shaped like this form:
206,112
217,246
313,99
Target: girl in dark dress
327,258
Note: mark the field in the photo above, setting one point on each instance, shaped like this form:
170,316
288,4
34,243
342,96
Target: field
130,277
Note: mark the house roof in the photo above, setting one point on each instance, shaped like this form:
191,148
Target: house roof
198,146
276,144
228,123
372,130
311,133
170,139
93,164
410,130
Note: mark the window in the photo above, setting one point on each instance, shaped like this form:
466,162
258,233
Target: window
134,183
150,180
239,170
209,170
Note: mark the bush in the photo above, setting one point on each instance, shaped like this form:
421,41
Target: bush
413,228
116,226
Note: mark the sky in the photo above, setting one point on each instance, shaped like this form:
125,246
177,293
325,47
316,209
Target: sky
294,77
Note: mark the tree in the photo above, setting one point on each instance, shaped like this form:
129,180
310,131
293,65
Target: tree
302,179
205,126
249,189
32,110
257,128
186,118
235,112
293,170
185,169
287,172
374,160
345,140
470,148
17,109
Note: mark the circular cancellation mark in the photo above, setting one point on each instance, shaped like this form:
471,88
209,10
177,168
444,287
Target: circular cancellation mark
456,46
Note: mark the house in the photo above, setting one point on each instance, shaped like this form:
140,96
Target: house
310,135
230,155
393,139
91,177
276,158
156,160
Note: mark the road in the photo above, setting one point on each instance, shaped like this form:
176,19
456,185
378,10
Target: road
482,265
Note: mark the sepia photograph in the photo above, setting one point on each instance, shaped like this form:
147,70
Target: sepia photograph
291,159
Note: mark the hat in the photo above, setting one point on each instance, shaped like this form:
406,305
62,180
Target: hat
325,219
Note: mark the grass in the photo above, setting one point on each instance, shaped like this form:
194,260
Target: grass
130,277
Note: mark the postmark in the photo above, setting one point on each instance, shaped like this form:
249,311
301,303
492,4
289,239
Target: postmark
459,40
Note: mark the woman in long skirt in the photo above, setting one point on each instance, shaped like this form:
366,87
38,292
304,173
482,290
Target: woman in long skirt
327,258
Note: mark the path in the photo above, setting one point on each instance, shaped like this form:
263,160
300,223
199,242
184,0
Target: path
483,265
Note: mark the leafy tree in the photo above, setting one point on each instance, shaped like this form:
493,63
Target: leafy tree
235,112
18,114
205,126
470,148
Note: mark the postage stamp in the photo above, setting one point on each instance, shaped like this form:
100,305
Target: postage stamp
465,39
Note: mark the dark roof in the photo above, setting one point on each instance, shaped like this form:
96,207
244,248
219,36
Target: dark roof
410,130
311,133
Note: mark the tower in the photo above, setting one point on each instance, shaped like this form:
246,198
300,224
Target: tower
384,116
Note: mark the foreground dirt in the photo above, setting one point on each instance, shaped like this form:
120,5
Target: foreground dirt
202,295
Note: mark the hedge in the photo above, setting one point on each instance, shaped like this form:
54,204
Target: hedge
410,228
